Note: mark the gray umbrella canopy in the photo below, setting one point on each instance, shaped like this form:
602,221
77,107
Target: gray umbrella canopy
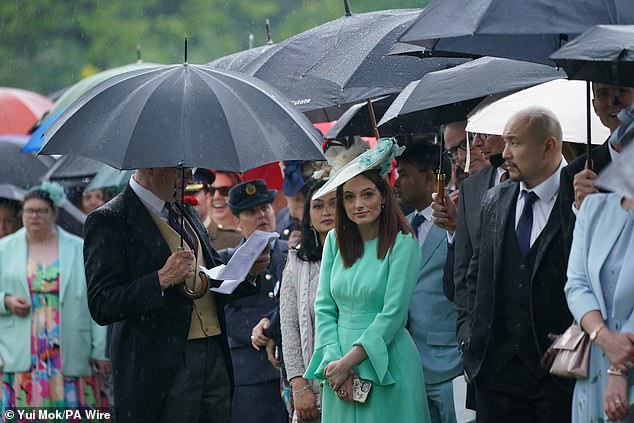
604,53
20,169
449,95
187,115
319,68
240,60
523,30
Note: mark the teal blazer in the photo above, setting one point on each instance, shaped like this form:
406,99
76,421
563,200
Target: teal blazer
432,317
81,338
598,226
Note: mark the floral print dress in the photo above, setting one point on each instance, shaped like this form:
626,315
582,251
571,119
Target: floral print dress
45,385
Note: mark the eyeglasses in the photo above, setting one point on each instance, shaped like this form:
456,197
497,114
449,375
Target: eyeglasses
224,191
36,212
481,137
452,153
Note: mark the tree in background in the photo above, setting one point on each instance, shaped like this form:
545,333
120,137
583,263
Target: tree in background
46,45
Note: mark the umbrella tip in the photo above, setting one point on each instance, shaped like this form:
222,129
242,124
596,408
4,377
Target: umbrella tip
269,38
185,62
138,54
346,5
251,40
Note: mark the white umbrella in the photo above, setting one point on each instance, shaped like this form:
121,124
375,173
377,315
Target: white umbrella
566,99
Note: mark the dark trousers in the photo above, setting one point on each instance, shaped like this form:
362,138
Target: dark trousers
201,391
258,403
515,394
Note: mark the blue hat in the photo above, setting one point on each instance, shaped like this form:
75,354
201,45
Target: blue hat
624,133
249,194
293,177
202,179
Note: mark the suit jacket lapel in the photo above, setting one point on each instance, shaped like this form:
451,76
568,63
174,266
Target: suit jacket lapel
139,219
548,233
434,239
503,209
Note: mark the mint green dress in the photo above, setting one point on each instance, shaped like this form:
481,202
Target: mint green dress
366,304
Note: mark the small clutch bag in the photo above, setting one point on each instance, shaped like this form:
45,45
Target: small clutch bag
361,390
573,354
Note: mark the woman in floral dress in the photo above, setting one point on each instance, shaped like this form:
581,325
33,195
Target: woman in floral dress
47,363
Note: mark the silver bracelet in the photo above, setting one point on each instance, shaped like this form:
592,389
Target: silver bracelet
301,390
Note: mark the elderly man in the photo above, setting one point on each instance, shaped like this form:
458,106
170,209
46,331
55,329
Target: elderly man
257,395
520,272
576,181
170,355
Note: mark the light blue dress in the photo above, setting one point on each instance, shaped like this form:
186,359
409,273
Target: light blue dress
589,393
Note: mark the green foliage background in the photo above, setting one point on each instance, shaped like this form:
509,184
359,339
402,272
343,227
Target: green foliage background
46,45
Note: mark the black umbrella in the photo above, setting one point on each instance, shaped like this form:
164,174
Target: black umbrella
336,50
238,61
73,172
356,121
449,95
187,115
20,169
604,53
522,30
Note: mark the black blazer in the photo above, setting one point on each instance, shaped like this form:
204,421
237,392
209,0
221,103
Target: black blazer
549,311
601,158
472,191
123,251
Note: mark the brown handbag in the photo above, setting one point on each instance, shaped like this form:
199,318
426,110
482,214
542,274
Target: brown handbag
573,353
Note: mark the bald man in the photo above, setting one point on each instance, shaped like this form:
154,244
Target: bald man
519,272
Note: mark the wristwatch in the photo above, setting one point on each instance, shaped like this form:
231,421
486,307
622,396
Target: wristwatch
595,333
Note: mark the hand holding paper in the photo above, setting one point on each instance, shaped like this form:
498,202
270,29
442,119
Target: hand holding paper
252,257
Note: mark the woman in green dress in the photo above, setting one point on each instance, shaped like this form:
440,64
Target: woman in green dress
369,270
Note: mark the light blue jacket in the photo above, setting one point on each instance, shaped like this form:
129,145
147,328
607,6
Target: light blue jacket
432,317
599,223
81,338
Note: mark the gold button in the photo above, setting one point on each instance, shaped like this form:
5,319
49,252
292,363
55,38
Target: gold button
268,276
286,232
271,294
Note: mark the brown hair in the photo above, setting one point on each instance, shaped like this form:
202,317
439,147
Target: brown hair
391,222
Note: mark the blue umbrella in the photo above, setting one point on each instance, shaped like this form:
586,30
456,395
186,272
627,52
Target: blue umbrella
36,141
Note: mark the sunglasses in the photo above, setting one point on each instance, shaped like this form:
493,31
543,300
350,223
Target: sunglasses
224,191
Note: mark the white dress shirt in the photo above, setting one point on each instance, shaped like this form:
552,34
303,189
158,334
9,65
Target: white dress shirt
547,193
424,228
149,200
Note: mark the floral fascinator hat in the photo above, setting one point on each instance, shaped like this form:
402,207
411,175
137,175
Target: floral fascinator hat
379,157
53,190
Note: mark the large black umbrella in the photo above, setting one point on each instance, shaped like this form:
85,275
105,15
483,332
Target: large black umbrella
449,95
522,30
604,53
336,50
240,60
187,115
20,169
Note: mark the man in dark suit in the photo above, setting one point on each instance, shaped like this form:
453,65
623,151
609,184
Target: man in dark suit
472,191
519,270
257,395
170,355
576,181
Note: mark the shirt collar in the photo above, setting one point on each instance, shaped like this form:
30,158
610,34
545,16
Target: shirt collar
147,197
425,212
613,153
549,188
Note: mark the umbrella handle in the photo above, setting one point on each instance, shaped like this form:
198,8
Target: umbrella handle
440,190
194,295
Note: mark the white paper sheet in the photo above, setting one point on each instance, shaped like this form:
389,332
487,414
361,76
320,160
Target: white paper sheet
234,272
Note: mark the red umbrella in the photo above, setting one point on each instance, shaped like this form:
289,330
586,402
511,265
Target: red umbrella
20,109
